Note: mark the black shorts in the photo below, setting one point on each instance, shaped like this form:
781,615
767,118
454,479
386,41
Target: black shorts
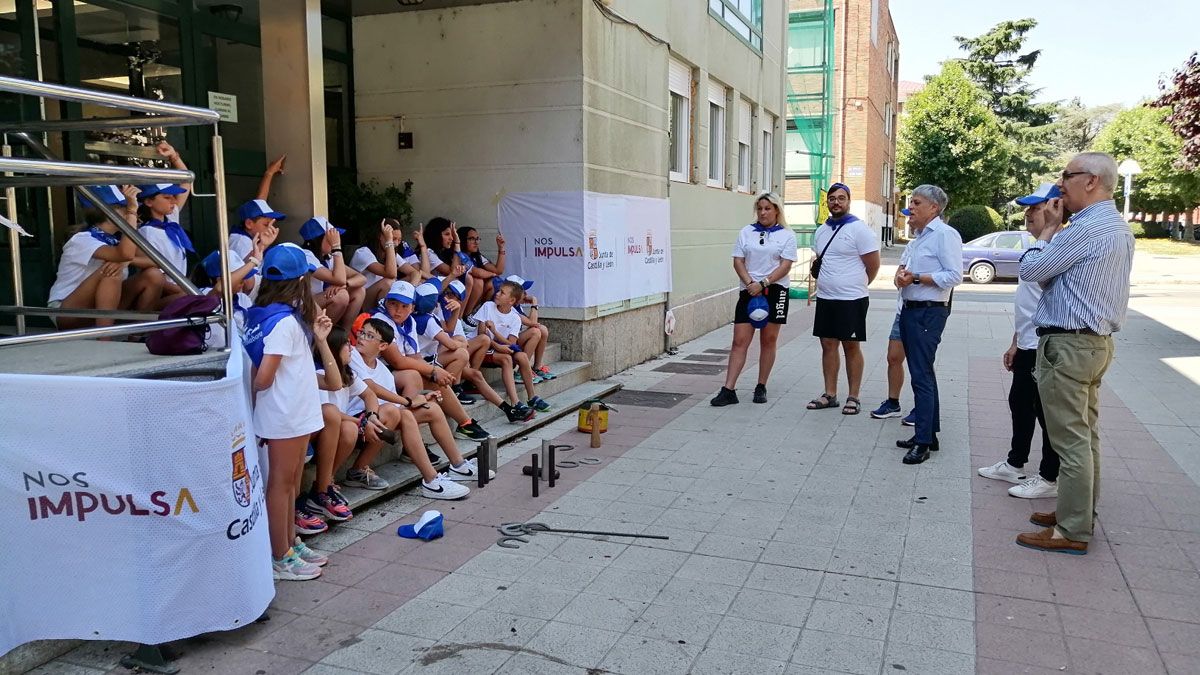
844,320
777,305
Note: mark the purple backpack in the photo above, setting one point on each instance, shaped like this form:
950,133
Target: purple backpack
183,339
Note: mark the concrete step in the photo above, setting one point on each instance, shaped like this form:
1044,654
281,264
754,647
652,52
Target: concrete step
403,475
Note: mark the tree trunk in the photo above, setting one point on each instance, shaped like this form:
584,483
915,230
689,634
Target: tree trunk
1189,226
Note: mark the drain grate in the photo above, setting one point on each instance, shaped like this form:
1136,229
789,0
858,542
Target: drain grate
716,351
707,358
645,399
686,368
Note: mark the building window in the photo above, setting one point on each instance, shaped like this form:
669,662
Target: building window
742,17
797,156
768,154
743,139
716,135
887,118
680,122
887,180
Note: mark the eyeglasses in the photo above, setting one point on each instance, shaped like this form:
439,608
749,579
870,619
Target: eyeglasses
837,200
1068,174
472,238
368,337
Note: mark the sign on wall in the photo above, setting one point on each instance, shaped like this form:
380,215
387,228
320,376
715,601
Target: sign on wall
138,508
224,105
584,249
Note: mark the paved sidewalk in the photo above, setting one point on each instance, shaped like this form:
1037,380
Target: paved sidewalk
798,541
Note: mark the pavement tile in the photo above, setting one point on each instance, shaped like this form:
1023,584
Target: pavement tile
717,662
710,569
858,590
1182,664
934,632
651,560
925,660
400,579
308,638
532,599
1175,636
349,570
424,618
1168,605
1103,656
797,555
486,625
770,606
605,613
581,649
379,652
738,548
104,655
1013,584
842,653
637,654
1018,613
878,565
302,597
687,594
564,575
754,638
58,667
464,589
946,602
219,657
847,619
1114,627
439,555
1095,594
359,606
619,583
665,622
782,579
1031,647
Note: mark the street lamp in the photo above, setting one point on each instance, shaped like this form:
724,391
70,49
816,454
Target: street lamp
1127,169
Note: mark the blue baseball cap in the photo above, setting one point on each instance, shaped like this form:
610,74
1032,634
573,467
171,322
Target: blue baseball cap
457,287
109,194
148,191
431,287
258,208
525,285
1045,192
401,291
212,264
905,212
285,261
317,227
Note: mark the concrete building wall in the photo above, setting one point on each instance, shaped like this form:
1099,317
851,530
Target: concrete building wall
492,94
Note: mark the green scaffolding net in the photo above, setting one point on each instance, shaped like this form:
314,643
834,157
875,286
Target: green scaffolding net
809,139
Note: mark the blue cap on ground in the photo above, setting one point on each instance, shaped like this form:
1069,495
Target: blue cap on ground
429,527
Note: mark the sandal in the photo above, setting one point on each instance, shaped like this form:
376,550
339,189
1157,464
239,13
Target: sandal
822,402
852,406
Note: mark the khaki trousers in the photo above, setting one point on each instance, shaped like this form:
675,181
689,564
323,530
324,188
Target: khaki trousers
1069,369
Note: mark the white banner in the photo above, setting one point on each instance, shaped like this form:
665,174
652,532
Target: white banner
584,249
131,509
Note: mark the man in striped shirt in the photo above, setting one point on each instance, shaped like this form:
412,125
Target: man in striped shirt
1085,274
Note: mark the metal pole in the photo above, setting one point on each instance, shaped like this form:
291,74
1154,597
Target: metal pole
107,331
14,245
131,103
223,236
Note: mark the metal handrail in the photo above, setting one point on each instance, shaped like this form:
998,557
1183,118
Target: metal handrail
53,171
61,92
96,123
90,174
119,314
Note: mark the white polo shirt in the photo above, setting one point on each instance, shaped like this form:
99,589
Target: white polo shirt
762,259
843,274
1028,295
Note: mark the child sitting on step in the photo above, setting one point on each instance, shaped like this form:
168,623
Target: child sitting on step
499,319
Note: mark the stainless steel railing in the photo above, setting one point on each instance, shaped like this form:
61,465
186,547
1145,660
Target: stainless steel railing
52,171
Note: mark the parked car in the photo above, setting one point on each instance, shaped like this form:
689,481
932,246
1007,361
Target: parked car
995,256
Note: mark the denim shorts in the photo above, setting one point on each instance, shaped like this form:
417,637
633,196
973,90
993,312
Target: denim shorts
895,334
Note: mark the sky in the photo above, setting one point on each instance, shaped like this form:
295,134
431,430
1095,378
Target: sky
1103,51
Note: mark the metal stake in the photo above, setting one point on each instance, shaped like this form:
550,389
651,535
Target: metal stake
535,478
481,462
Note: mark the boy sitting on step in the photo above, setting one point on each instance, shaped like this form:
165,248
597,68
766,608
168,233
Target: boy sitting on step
499,319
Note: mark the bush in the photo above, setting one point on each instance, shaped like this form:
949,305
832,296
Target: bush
355,206
1150,230
974,221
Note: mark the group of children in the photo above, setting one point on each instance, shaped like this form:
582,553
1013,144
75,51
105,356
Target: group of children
330,378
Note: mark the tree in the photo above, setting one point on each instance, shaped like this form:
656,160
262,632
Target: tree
1164,186
1077,126
951,138
994,62
1182,96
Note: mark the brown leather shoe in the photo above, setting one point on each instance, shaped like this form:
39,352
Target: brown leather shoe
1049,519
1044,540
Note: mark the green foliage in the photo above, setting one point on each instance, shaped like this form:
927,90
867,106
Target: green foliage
1148,230
355,205
975,220
994,62
1143,134
950,138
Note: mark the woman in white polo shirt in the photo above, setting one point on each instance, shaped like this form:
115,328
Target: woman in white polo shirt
762,258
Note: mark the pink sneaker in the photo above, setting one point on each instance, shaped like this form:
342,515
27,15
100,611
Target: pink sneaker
307,523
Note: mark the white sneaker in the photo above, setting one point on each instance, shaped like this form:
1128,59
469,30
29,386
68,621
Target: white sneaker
292,568
442,487
467,472
1002,471
308,555
1034,488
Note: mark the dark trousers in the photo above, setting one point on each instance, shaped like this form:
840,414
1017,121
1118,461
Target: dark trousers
921,333
1026,406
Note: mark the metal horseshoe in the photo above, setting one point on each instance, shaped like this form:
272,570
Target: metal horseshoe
512,529
508,542
589,460
567,464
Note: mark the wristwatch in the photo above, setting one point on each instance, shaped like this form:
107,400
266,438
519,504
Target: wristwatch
917,279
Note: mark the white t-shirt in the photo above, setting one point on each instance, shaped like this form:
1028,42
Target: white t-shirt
241,244
76,264
291,406
317,285
380,375
346,398
507,325
427,344
762,259
434,260
843,274
158,238
363,258
1029,294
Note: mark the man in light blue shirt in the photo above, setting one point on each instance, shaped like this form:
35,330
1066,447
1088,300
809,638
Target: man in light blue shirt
930,268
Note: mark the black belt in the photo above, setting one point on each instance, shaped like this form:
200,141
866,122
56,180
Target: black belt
1056,330
921,304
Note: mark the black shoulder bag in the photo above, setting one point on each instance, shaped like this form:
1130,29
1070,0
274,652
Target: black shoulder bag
814,269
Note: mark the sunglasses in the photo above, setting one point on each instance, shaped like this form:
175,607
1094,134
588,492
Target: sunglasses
762,238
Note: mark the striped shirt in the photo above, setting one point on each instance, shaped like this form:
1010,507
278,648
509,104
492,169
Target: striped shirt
1084,271
936,251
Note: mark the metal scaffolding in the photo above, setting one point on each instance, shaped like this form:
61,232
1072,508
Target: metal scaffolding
810,102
